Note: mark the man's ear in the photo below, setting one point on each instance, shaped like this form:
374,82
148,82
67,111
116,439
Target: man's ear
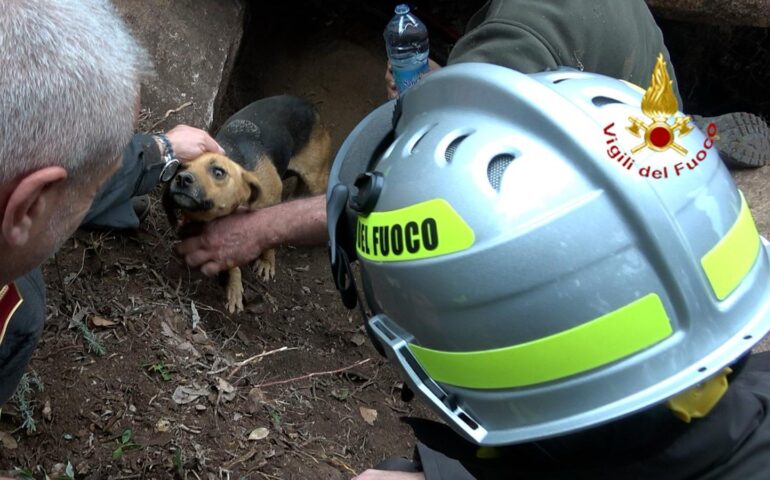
254,188
27,203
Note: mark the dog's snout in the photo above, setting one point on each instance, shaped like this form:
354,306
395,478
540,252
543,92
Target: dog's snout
184,179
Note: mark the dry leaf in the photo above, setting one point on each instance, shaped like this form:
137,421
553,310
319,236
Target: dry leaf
256,400
82,468
195,316
188,348
224,386
184,394
259,433
199,336
368,414
225,389
357,339
8,441
257,396
97,321
168,331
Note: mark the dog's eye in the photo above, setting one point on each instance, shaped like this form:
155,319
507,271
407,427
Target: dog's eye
218,172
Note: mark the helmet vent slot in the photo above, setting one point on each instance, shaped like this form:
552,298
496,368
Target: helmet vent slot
468,421
601,101
418,137
449,153
411,150
496,169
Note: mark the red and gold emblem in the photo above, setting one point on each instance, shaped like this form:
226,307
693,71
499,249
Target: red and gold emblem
659,104
10,299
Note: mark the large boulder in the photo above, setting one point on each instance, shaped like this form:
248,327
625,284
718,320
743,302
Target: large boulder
193,44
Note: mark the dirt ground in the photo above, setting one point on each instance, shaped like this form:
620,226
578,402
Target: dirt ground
169,384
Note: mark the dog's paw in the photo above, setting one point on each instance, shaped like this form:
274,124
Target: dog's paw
235,297
265,265
265,269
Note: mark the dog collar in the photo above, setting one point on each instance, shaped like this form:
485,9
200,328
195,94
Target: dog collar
169,157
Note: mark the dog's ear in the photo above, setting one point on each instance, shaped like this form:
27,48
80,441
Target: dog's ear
170,207
254,188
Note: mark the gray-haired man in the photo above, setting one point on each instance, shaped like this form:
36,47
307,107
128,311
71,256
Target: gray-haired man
69,91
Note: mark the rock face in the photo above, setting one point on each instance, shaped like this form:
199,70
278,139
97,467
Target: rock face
193,44
749,13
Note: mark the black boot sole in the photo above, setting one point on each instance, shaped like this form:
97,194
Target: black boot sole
743,139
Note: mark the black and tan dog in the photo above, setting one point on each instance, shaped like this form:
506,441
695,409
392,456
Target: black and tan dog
264,142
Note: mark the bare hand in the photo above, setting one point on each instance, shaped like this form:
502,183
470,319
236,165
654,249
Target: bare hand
390,81
190,142
224,243
239,238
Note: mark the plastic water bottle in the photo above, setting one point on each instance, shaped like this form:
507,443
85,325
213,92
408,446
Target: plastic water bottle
406,41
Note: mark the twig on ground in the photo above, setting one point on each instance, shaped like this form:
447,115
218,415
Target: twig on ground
268,476
169,113
242,458
239,365
311,375
184,427
112,421
336,462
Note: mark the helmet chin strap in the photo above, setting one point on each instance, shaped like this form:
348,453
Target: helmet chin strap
341,255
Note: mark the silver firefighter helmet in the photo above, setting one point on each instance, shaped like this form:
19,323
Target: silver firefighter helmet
544,253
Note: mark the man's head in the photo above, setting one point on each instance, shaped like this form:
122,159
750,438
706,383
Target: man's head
527,278
68,94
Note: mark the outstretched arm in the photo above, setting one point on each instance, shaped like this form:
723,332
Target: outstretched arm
140,171
239,238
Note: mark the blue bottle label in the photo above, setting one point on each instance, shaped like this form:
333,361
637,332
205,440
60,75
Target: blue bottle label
406,77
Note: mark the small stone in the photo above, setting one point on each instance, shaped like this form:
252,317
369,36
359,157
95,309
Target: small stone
357,339
162,425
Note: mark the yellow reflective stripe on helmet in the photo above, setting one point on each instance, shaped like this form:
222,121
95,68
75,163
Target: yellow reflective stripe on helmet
598,342
732,257
424,230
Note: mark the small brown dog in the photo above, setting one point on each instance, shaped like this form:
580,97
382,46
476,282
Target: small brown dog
263,142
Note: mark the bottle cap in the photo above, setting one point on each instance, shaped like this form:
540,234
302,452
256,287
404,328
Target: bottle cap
402,9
